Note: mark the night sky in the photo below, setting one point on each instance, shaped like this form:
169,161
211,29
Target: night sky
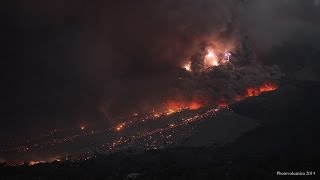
67,63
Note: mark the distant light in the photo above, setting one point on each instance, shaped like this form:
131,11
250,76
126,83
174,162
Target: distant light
170,111
82,127
120,126
187,66
31,163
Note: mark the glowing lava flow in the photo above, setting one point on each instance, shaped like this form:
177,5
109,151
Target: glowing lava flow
180,105
172,107
265,87
250,92
174,124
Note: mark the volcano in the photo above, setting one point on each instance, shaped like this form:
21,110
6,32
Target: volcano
169,89
257,130
173,123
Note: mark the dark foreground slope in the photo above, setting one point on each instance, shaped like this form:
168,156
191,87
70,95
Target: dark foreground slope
287,140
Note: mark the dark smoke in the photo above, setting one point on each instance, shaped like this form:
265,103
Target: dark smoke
272,23
70,62
285,32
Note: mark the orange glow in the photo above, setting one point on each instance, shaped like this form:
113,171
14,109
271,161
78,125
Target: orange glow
265,87
120,126
174,106
178,105
82,127
211,59
187,66
194,105
31,163
171,111
223,103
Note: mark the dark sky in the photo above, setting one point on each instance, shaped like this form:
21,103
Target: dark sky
69,62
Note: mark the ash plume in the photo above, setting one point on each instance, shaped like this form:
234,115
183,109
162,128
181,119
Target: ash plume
227,82
272,23
69,62
286,33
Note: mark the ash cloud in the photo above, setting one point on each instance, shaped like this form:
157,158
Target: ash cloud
272,23
70,62
152,39
285,32
78,61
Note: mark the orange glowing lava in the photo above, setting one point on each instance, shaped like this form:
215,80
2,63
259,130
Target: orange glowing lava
175,106
194,106
265,87
222,103
251,92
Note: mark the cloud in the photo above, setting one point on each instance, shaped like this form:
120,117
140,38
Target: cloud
272,23
73,61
